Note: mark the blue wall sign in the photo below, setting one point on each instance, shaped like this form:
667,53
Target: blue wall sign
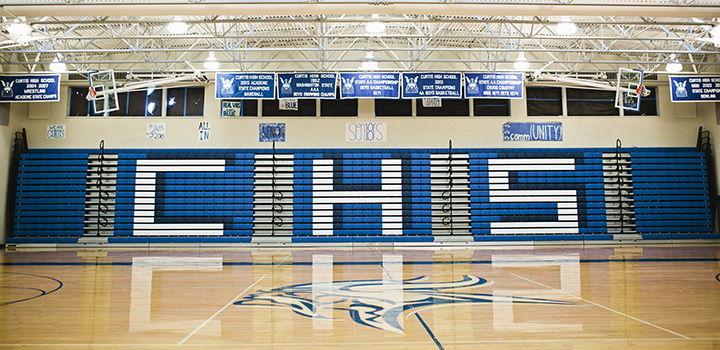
494,85
30,88
270,132
532,132
307,85
245,85
443,85
369,85
695,89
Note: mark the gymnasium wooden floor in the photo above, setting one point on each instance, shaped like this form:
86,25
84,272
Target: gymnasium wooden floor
614,297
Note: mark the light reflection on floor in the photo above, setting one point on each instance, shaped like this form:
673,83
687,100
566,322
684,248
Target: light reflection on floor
590,297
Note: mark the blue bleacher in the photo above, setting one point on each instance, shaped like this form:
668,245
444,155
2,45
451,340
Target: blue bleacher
409,202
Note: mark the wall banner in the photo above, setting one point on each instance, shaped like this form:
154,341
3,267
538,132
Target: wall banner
30,88
695,89
307,85
245,85
370,85
270,132
55,132
494,85
204,131
443,85
231,109
365,132
532,132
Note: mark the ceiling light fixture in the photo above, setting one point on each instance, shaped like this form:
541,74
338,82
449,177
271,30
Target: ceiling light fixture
673,66
58,66
369,63
522,63
20,31
566,26
177,26
211,62
715,35
375,26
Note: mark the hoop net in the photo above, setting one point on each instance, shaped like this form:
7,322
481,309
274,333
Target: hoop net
91,93
642,91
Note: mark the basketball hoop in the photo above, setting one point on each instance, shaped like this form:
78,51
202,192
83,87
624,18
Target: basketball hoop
91,94
642,91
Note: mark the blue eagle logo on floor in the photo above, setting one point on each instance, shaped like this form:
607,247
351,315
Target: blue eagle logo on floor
379,303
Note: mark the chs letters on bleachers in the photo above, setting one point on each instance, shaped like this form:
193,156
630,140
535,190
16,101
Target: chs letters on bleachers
361,195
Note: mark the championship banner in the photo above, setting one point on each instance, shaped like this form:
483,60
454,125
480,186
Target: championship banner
30,88
307,85
370,85
494,85
695,89
244,85
442,85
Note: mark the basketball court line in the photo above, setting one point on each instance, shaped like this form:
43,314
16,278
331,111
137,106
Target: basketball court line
422,322
600,306
228,304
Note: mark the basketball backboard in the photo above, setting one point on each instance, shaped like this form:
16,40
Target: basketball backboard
629,89
102,91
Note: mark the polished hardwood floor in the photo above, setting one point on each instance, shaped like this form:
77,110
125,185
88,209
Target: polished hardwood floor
592,297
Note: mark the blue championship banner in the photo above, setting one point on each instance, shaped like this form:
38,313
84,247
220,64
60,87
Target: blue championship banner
532,132
695,89
30,88
494,85
307,85
370,85
244,85
443,85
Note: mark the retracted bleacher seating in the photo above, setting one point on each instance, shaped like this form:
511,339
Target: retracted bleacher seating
361,195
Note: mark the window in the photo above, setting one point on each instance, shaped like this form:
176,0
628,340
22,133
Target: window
451,107
338,107
139,104
589,102
306,108
79,105
648,105
544,101
143,103
484,107
393,108
185,102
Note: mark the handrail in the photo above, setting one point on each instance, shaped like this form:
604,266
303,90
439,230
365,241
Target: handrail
101,220
448,194
703,144
620,182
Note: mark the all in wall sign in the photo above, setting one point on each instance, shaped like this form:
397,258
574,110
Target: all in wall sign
532,132
204,131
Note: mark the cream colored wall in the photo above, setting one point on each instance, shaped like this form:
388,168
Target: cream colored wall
668,129
676,125
6,143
